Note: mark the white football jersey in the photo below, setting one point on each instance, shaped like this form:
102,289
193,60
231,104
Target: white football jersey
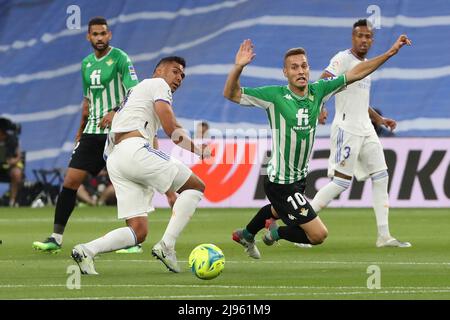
352,104
138,111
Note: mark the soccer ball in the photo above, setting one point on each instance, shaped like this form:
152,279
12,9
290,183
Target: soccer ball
206,261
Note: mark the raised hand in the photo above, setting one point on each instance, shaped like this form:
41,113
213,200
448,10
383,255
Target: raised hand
401,41
245,53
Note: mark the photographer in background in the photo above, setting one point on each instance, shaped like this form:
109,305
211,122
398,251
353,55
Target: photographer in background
11,163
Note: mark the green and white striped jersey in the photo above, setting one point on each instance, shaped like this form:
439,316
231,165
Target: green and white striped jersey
105,83
293,120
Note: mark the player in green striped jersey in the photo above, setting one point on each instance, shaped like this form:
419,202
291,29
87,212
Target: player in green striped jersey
107,75
293,112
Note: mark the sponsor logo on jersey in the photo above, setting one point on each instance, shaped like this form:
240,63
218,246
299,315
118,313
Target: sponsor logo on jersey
290,216
95,79
287,96
302,120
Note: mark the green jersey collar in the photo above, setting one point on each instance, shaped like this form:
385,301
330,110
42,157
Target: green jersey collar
110,50
296,95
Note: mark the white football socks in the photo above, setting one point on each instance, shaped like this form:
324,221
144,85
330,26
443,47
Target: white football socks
113,240
182,211
58,237
334,188
380,200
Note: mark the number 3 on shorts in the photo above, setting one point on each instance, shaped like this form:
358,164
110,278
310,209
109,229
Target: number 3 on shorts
346,152
297,200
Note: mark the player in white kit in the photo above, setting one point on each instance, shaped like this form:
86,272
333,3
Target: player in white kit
136,168
355,147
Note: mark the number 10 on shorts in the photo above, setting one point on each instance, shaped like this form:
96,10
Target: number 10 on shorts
297,200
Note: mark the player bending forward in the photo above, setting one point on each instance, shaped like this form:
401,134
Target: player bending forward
135,168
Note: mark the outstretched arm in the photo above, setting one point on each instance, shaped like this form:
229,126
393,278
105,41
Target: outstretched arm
365,68
176,132
324,112
245,55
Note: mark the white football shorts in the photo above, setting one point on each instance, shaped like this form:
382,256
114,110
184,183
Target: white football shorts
353,155
135,169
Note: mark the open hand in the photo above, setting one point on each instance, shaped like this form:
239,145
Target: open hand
107,120
245,53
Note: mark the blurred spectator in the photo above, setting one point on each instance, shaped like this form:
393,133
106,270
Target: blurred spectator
11,160
381,130
201,131
97,190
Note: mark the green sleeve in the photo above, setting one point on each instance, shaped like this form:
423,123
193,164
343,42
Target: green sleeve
259,97
126,69
325,88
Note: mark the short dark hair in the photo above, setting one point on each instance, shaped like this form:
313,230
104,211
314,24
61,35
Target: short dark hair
97,21
293,52
362,23
176,59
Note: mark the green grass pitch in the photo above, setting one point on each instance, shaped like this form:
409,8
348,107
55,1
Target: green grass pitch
336,269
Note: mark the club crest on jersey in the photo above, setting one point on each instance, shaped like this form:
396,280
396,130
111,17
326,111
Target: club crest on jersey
304,212
109,62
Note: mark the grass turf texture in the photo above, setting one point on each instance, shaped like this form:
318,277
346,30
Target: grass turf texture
335,270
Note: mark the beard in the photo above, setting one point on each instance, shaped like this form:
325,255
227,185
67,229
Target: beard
100,47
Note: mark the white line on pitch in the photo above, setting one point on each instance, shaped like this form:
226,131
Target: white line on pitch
12,286
270,262
373,292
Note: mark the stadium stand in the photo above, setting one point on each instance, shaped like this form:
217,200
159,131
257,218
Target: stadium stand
41,83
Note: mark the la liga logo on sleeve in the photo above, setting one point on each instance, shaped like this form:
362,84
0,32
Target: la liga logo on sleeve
133,74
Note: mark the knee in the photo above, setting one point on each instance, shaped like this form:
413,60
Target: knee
201,185
319,236
198,185
71,183
141,233
380,176
74,178
140,229
344,183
